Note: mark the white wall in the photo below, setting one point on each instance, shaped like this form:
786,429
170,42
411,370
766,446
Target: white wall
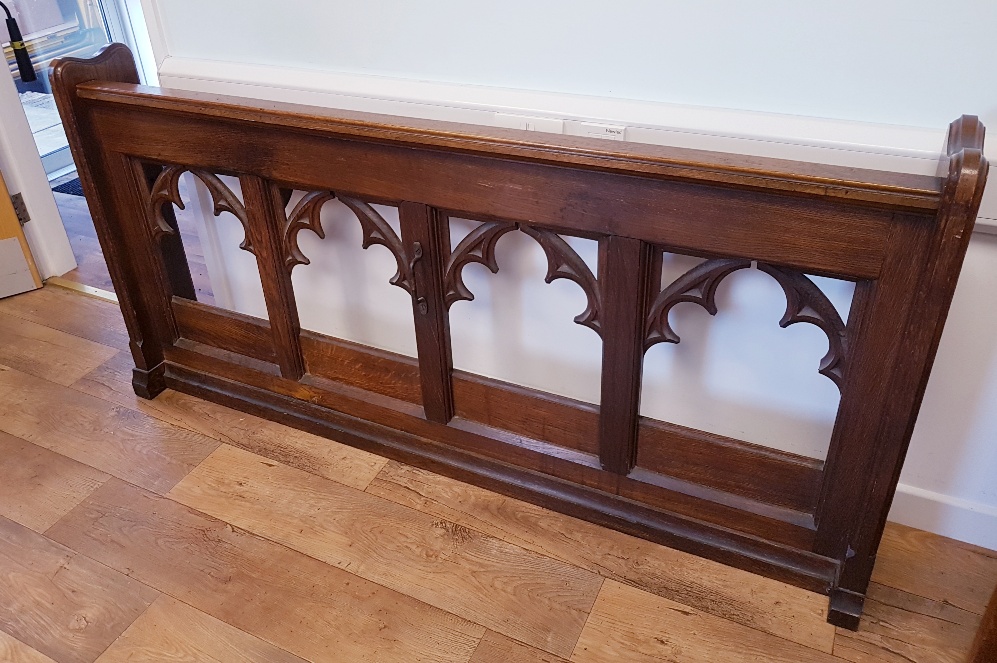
889,75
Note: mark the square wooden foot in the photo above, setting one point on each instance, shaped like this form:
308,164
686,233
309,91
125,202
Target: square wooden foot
151,383
846,608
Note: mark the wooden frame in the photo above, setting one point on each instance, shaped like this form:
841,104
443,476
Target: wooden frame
900,238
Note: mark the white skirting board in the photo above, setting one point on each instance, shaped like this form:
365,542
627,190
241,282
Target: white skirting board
957,518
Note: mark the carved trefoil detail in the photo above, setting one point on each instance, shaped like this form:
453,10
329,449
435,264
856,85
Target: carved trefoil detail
306,215
166,190
805,302
563,262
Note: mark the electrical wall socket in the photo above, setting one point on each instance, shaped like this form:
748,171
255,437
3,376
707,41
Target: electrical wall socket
607,131
529,123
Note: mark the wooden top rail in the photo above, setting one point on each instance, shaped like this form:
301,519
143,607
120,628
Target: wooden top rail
899,190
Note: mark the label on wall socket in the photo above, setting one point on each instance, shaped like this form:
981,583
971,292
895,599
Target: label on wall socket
607,131
529,123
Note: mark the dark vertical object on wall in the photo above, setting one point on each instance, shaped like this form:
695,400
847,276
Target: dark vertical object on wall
624,278
816,524
425,232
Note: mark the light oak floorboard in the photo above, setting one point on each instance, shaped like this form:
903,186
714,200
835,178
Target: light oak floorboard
496,648
936,567
739,596
48,353
62,604
631,625
173,631
85,317
127,444
534,599
898,627
13,650
311,453
38,486
282,596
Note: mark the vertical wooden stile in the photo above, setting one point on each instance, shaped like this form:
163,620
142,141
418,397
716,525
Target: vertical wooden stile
266,220
903,311
624,277
426,234
127,271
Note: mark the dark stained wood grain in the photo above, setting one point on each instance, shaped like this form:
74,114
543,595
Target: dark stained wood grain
625,280
267,590
122,245
372,369
559,420
900,238
815,235
224,329
742,468
60,603
266,220
711,167
426,234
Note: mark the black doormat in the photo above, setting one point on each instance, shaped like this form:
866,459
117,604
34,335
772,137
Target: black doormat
72,187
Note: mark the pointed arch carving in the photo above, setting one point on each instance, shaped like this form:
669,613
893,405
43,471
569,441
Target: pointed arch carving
376,230
166,190
563,262
306,215
805,302
479,247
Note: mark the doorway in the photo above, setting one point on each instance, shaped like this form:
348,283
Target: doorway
68,28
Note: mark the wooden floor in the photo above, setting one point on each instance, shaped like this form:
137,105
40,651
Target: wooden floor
178,530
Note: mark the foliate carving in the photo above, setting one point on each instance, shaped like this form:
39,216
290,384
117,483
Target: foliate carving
805,302
562,263
306,215
377,231
699,286
166,190
479,247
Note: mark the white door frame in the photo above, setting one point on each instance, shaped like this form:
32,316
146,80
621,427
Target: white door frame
22,169
22,166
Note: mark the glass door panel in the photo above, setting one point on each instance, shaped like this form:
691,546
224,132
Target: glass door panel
52,29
